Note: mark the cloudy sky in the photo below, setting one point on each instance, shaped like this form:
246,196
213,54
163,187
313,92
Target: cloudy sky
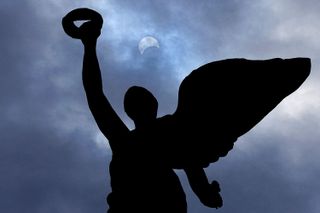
52,156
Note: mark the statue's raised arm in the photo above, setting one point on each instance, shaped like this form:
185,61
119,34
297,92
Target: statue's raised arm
108,121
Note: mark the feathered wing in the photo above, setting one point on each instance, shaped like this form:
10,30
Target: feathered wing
223,100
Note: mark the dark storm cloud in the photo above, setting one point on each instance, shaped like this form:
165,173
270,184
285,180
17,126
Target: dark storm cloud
49,162
51,159
43,172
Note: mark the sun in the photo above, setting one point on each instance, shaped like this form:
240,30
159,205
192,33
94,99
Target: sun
147,42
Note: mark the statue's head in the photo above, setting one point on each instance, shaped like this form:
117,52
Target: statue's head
140,105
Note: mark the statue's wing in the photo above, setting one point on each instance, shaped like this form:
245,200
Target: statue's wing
223,100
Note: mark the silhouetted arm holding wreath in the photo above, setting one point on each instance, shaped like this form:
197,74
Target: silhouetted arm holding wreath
206,192
108,121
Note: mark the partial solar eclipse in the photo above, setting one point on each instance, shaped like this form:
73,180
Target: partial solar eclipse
147,42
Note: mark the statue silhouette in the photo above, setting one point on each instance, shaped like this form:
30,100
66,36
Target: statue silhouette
218,103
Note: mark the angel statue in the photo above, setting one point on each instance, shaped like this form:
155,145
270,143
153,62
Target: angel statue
217,103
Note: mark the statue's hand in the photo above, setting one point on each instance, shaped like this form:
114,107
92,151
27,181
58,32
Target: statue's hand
212,197
88,31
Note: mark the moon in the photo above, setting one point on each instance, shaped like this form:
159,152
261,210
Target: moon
147,42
